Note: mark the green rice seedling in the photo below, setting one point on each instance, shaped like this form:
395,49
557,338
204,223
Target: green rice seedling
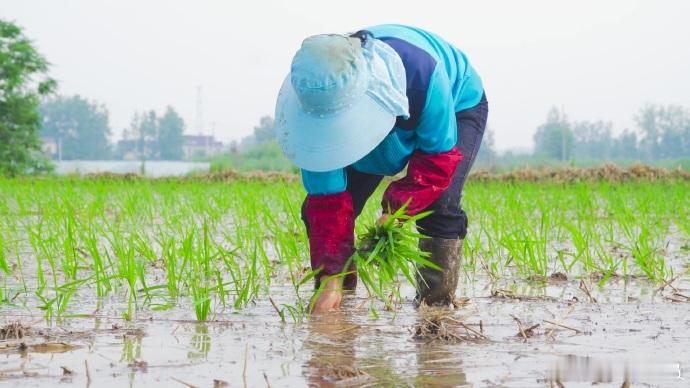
63,297
640,242
527,251
168,252
198,291
201,299
46,306
69,258
46,251
249,286
220,288
147,256
201,278
4,266
646,256
681,212
90,239
582,239
258,232
265,264
20,266
491,229
43,254
231,266
127,270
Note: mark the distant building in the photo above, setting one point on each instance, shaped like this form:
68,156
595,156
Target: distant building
200,146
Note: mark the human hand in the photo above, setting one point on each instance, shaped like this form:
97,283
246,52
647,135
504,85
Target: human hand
382,220
328,298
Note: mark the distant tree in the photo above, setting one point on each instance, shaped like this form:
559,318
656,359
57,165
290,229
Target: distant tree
675,132
169,137
665,131
554,139
23,80
79,127
647,122
234,147
143,131
625,146
592,140
265,131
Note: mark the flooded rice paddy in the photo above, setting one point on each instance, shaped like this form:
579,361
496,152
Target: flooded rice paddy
174,283
632,333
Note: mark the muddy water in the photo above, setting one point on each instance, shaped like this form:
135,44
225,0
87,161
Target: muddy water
632,333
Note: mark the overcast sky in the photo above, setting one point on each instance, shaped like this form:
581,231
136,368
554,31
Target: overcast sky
597,59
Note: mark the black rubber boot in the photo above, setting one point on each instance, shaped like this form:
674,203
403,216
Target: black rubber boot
434,287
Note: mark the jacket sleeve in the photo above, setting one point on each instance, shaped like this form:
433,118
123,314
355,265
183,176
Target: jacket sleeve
330,220
428,175
329,216
431,167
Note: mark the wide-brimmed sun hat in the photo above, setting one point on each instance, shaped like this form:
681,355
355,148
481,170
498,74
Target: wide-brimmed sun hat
339,101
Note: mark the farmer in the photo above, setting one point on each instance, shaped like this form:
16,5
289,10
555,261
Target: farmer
358,107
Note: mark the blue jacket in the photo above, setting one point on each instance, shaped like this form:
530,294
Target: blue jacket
440,82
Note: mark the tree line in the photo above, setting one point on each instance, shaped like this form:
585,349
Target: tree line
79,129
662,133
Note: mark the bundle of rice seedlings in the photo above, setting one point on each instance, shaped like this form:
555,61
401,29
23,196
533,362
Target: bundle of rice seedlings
385,250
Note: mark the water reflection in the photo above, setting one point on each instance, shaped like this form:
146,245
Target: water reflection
200,342
438,367
344,352
131,354
333,356
131,349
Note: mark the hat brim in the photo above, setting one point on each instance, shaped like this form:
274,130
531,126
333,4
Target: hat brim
329,142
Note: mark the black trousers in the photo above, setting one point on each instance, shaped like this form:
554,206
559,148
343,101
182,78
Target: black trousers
448,219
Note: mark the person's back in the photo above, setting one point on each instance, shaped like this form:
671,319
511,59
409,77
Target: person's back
466,85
